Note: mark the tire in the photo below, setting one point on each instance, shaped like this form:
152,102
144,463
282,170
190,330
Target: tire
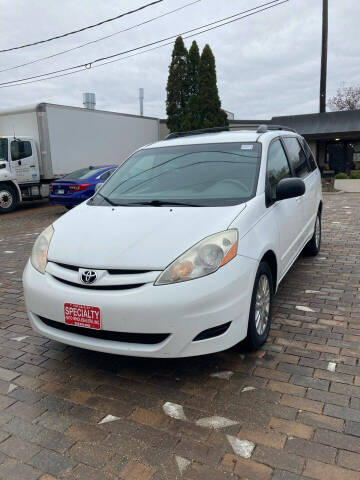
258,331
312,248
8,198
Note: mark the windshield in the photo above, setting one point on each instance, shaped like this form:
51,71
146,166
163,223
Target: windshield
3,149
83,173
196,175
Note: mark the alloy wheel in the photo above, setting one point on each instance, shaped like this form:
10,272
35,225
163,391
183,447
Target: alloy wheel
262,305
317,232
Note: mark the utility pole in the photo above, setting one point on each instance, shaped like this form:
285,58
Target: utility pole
324,49
141,100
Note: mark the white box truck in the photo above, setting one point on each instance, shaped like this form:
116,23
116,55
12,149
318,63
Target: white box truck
43,142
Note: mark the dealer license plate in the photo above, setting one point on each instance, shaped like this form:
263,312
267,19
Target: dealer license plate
82,316
60,191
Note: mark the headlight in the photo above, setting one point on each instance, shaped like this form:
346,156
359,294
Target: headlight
40,249
202,259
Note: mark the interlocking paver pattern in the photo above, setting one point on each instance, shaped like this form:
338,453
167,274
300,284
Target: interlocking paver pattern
297,399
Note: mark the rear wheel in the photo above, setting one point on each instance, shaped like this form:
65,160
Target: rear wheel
312,248
8,198
261,307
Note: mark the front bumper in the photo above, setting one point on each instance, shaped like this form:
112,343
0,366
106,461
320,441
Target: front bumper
181,310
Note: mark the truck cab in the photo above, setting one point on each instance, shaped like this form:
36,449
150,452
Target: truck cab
19,172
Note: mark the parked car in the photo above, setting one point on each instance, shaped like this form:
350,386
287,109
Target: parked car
181,251
78,186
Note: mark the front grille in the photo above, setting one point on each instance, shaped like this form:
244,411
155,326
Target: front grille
69,267
114,271
212,332
100,287
142,338
111,271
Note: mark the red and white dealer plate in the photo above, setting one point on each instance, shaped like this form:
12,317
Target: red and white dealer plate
82,316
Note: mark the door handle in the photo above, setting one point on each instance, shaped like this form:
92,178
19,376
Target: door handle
32,166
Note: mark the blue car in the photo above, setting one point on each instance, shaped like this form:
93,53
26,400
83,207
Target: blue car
78,186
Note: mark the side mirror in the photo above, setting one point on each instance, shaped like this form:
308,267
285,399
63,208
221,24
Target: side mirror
290,188
98,185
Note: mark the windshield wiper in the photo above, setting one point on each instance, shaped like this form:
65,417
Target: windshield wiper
151,203
160,203
107,199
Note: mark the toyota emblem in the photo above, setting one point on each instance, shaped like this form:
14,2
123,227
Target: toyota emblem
88,276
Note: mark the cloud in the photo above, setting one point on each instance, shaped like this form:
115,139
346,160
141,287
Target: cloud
267,64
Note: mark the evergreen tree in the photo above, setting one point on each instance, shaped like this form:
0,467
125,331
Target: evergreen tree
193,69
192,117
210,106
177,87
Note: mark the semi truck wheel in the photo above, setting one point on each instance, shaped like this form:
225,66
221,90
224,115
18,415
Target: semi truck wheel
8,198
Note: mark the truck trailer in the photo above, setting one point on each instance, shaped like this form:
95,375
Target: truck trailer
43,142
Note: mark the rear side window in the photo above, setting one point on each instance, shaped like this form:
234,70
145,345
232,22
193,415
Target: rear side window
106,175
297,157
82,174
309,154
277,166
20,150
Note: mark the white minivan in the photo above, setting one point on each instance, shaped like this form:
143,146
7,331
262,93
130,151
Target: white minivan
181,251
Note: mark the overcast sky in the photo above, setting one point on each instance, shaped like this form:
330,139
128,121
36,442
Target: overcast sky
267,64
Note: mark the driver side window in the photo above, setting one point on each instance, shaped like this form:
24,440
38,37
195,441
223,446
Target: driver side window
20,149
277,167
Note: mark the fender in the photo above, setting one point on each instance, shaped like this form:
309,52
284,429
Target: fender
16,185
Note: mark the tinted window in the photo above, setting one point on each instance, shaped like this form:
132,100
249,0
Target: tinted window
82,173
277,166
106,175
202,175
20,150
3,149
297,157
309,154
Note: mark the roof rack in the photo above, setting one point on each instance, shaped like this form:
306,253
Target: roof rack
197,132
266,128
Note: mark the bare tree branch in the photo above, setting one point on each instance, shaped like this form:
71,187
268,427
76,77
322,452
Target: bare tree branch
346,98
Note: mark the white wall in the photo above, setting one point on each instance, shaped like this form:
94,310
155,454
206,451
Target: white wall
80,137
24,124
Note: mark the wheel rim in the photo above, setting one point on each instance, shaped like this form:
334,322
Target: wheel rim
6,199
317,232
262,306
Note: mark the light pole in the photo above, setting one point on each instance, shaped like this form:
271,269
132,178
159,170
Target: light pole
324,49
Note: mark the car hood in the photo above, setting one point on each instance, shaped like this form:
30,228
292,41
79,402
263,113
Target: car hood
133,237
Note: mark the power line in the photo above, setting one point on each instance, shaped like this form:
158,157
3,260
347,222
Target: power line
82,67
82,29
100,38
89,64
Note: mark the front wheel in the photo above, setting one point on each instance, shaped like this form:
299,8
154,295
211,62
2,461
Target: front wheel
8,198
261,307
312,248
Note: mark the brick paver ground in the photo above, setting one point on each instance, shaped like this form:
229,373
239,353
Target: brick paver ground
292,408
